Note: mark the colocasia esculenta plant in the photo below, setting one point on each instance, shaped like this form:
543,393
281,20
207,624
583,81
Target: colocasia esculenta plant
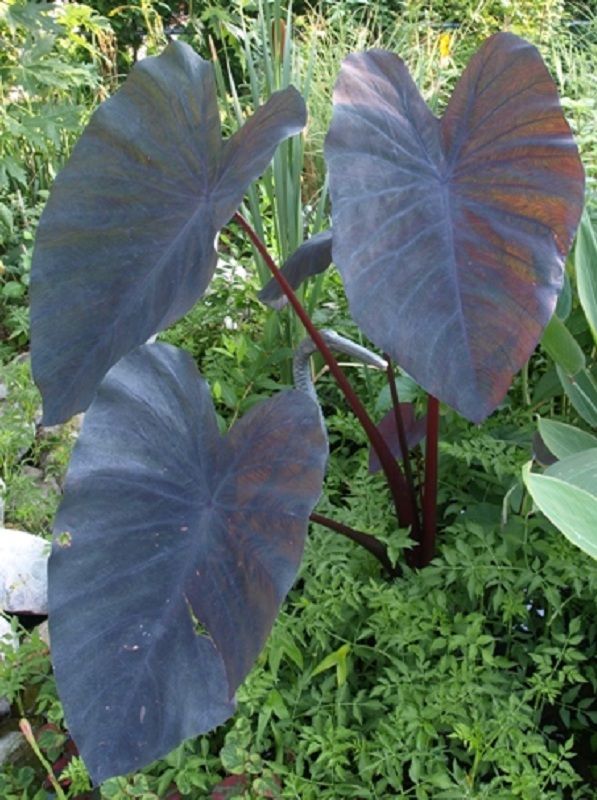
174,545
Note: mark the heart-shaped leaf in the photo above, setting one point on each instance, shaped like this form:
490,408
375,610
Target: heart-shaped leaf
311,258
174,548
125,245
451,235
414,430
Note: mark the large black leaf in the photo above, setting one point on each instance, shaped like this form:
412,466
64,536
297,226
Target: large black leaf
165,524
451,234
125,245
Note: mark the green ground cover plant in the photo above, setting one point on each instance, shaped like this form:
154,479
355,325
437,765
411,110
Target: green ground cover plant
55,64
471,678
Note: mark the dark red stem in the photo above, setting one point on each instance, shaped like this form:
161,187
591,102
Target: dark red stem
366,540
427,548
416,526
395,478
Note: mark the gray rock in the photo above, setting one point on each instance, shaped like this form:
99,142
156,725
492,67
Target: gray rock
23,572
11,746
33,472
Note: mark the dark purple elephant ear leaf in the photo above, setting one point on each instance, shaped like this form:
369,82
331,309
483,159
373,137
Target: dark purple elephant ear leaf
414,430
312,258
451,235
174,548
125,245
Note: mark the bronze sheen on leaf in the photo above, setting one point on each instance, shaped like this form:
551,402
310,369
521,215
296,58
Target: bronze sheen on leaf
183,544
125,245
451,234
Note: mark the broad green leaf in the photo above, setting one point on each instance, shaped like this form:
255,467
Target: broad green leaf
582,391
408,392
562,347
567,494
585,262
564,440
579,469
547,386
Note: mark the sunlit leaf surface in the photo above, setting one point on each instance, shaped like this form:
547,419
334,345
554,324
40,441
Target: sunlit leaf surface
125,245
173,550
451,234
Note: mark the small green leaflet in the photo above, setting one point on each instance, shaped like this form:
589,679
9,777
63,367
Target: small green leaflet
336,659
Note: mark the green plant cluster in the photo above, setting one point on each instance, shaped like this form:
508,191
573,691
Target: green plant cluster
473,678
55,64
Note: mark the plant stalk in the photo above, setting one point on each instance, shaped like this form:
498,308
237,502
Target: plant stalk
427,549
416,526
27,732
366,540
396,481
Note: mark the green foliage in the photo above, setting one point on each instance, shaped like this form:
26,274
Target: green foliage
457,678
566,491
137,25
32,463
24,669
53,60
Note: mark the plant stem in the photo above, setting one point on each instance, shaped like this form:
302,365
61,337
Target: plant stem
427,548
366,540
526,397
27,732
396,481
416,527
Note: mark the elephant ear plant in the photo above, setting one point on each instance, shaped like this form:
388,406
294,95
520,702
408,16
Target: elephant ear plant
175,546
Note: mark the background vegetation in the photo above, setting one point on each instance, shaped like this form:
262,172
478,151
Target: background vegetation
475,678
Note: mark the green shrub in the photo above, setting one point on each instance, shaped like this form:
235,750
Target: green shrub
55,63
